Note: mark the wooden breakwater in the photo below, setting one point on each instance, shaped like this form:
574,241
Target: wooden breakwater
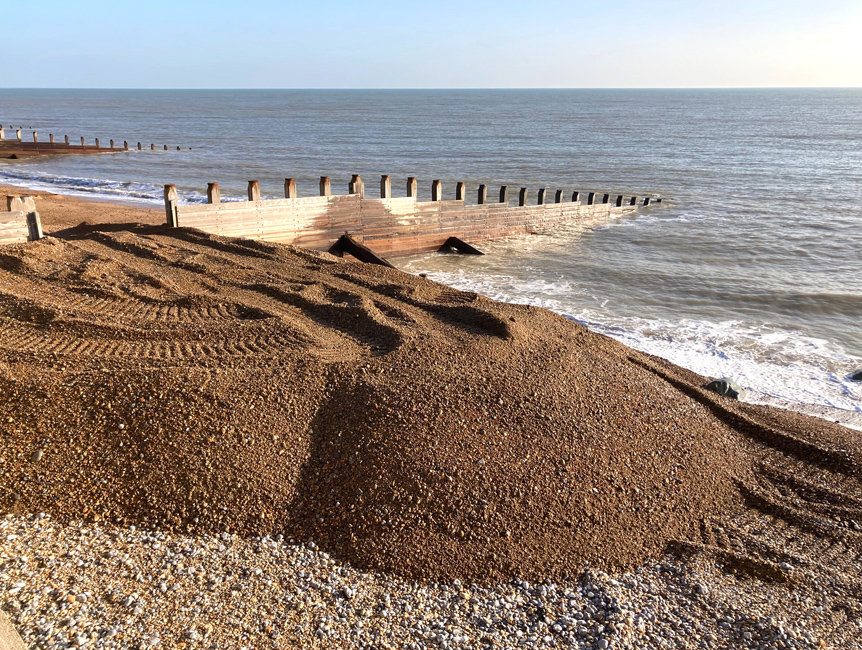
17,148
20,222
390,226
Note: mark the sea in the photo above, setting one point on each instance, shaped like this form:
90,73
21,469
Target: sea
750,268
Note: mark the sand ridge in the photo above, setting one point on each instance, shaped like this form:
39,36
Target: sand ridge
183,381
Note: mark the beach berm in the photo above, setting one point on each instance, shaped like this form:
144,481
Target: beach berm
180,381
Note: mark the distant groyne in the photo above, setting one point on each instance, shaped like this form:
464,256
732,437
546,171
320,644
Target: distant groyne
389,226
13,148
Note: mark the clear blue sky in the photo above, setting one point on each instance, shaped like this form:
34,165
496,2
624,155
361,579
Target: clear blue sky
447,44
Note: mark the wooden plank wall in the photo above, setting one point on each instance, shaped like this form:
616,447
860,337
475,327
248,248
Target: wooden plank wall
390,227
13,227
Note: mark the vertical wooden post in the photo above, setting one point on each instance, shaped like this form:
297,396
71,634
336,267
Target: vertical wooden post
385,187
112,144
620,201
522,196
213,193
460,191
541,199
253,191
125,144
289,188
356,186
82,141
437,190
646,201
97,143
171,202
152,147
575,196
18,134
67,139
504,194
591,198
558,196
634,201
483,194
35,137
139,146
325,186
412,187
166,147
2,133
34,226
606,198
658,200
51,138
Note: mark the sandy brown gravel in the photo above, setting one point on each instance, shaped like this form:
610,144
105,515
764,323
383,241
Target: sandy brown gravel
195,386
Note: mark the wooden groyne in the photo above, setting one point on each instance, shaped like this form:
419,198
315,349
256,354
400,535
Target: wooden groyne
16,147
389,226
20,222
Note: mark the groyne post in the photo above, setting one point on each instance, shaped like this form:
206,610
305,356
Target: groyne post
558,196
619,200
51,138
540,200
504,194
18,134
483,195
412,187
166,147
126,144
253,191
152,147
82,141
522,197
171,201
606,198
139,146
385,187
591,198
634,201
67,139
2,133
437,190
460,191
97,143
356,186
325,186
35,136
575,196
646,201
289,188
213,193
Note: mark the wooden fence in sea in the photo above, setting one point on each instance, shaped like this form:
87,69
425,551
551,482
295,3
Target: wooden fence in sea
18,148
389,226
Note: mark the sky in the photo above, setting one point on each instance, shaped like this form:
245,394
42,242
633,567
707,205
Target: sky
445,44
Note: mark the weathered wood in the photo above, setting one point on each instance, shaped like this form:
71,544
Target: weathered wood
356,186
453,243
18,135
289,188
482,198
634,201
346,244
51,138
541,197
412,187
171,201
606,198
385,187
591,198
253,191
504,194
646,201
619,200
34,226
575,196
437,190
558,196
460,191
213,193
325,186
522,196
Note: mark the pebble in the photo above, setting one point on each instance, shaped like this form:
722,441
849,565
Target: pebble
262,593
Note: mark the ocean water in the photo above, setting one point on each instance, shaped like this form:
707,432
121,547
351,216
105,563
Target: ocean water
751,267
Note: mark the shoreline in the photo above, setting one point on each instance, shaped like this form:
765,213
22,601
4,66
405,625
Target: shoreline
62,211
